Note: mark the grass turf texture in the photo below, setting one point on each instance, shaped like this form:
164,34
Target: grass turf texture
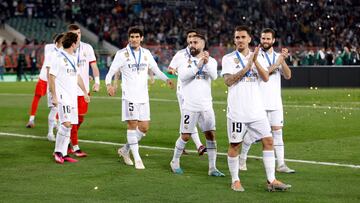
28,172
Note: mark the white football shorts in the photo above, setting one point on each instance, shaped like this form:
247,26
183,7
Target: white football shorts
135,111
205,119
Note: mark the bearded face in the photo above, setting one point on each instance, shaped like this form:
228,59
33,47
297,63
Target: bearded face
266,41
194,52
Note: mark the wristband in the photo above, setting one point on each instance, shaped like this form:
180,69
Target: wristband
97,80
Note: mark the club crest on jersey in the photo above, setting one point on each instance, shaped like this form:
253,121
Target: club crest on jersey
127,55
189,61
236,60
145,58
65,60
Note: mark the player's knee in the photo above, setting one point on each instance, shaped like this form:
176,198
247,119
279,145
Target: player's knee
268,142
143,129
67,124
275,128
185,136
132,125
210,135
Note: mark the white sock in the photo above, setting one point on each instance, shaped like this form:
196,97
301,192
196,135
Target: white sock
245,146
139,134
62,140
269,164
179,147
133,142
32,118
211,151
195,137
51,119
233,163
76,147
279,147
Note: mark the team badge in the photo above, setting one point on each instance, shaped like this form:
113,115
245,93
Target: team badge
236,60
126,54
145,58
189,61
65,60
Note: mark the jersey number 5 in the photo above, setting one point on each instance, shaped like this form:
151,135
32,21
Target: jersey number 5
131,106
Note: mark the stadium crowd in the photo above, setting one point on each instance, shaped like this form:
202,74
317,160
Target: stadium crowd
316,32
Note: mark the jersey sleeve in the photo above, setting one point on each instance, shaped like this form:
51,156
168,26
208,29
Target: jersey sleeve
211,68
54,64
115,67
226,66
175,62
154,67
91,54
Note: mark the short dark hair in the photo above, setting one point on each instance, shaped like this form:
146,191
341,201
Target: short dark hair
201,36
69,39
243,28
268,30
57,37
190,31
135,29
73,27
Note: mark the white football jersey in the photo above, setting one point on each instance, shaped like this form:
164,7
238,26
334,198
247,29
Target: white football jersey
84,56
181,57
134,73
64,68
196,85
244,97
48,50
271,90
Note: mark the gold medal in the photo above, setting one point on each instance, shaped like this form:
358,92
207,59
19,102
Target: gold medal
236,60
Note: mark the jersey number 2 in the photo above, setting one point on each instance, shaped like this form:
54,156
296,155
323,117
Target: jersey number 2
186,119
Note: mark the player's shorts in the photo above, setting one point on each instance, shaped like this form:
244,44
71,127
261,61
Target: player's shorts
67,113
205,119
275,117
41,88
135,111
181,103
257,130
82,105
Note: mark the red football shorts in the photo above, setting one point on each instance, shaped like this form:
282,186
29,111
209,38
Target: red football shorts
41,88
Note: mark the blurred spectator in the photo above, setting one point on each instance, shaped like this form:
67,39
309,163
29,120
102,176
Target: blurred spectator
2,63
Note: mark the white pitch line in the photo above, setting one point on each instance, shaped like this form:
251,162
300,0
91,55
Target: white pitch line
192,151
215,102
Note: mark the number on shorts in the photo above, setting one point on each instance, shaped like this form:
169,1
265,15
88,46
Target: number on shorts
131,106
236,127
66,109
186,120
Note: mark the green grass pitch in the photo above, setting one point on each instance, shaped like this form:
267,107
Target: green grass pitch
320,125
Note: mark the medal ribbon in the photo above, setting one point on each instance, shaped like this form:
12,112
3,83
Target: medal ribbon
72,64
137,62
